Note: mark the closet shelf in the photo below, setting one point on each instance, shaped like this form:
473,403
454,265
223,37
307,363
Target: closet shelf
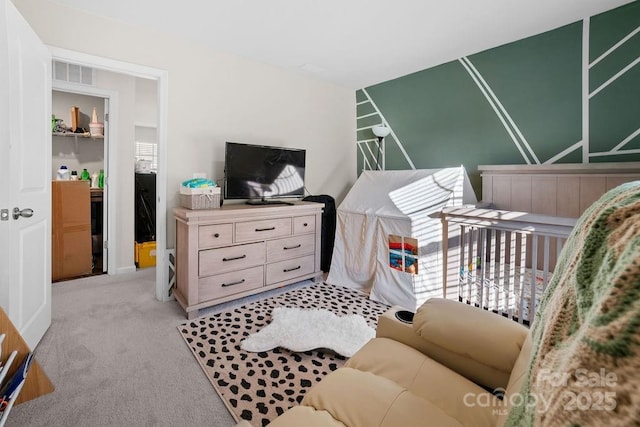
86,135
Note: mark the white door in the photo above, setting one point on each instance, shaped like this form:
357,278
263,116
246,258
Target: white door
105,192
25,176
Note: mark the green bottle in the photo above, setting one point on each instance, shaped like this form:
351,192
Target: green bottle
101,179
84,176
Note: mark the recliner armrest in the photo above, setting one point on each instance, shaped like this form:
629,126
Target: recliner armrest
477,344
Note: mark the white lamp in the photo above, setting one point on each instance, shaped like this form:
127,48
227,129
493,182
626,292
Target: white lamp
380,131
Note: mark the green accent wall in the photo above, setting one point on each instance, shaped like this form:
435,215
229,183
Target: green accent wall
471,110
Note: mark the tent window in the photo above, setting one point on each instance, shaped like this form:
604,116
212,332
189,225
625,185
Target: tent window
403,254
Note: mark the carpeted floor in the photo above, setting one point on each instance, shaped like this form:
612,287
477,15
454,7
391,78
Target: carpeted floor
258,387
115,359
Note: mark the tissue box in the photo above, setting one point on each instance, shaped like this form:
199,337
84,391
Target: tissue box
200,198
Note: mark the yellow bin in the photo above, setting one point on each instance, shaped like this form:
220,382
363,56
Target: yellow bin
145,254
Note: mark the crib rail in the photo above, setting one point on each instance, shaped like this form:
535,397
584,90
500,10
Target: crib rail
502,260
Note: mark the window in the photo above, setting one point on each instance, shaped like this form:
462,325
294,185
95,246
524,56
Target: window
146,149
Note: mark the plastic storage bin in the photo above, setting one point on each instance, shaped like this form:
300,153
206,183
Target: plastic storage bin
145,254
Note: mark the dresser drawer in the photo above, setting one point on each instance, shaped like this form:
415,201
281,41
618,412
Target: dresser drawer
221,260
289,269
222,285
304,224
290,247
215,235
265,229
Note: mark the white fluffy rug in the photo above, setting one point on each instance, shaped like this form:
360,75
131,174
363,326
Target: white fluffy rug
301,330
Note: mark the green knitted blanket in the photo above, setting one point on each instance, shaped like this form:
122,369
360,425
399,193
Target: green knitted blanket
585,364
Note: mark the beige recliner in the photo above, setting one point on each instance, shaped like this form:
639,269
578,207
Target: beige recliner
578,365
421,374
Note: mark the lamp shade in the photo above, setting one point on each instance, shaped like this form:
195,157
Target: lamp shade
381,131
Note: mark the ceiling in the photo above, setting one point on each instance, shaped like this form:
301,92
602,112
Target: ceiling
353,43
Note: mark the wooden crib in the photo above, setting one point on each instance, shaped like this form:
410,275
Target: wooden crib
502,259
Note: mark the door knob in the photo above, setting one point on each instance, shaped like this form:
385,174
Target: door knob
25,213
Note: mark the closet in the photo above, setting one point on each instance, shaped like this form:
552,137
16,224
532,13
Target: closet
77,203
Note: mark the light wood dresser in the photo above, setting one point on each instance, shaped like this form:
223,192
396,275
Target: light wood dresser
240,250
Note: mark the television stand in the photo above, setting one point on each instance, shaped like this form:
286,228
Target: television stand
267,202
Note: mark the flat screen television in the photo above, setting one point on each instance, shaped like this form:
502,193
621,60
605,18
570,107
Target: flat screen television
261,174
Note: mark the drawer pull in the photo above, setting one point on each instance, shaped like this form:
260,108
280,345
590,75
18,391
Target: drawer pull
266,229
287,270
239,282
234,258
305,224
286,248
216,235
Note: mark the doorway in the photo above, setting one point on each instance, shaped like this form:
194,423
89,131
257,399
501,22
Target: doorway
121,164
79,172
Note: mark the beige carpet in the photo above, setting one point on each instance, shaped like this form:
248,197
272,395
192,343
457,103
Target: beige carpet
115,359
258,387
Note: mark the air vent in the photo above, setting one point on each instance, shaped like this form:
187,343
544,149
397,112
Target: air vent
74,73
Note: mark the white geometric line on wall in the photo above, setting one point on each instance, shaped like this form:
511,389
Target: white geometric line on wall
617,149
626,140
364,158
366,127
615,46
373,156
564,153
615,153
497,108
585,90
392,133
615,77
366,115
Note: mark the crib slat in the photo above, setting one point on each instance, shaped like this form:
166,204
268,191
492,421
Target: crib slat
512,275
533,283
497,235
522,255
479,267
499,270
461,271
501,280
545,266
469,265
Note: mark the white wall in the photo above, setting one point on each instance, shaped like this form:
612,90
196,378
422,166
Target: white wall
121,177
146,113
216,96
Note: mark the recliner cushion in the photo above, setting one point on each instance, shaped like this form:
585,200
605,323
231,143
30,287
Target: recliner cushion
362,399
306,416
426,379
476,343
389,384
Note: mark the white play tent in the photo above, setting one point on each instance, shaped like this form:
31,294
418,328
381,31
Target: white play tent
384,216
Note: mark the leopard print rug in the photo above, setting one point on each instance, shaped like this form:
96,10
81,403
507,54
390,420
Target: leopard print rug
258,387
